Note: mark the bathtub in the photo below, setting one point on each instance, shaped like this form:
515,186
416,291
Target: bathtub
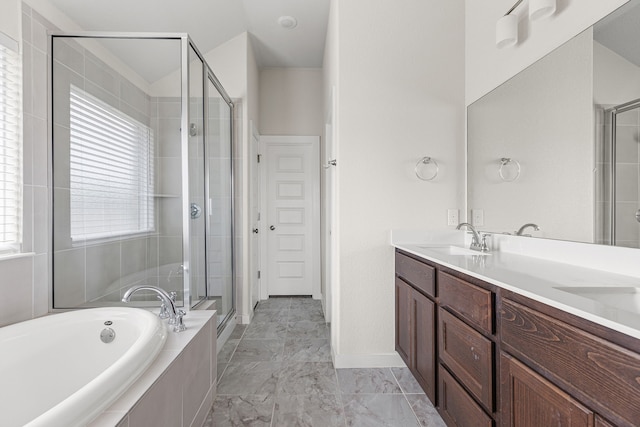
57,371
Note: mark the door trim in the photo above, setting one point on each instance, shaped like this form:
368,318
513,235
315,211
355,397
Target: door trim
290,140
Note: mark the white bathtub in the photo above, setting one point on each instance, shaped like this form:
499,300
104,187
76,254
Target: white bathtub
56,371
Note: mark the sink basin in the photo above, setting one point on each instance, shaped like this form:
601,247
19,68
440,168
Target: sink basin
621,297
453,250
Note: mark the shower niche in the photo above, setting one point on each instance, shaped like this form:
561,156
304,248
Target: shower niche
141,172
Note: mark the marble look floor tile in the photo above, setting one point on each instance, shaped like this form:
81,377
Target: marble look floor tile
406,380
258,351
307,330
227,350
300,378
373,410
307,350
237,332
308,411
266,331
220,370
247,410
280,316
298,303
424,410
304,314
374,380
274,303
250,378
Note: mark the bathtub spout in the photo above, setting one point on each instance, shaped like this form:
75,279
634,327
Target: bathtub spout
175,315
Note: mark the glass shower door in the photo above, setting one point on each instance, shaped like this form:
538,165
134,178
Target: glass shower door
220,215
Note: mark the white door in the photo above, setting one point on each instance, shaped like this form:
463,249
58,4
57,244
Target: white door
255,216
292,208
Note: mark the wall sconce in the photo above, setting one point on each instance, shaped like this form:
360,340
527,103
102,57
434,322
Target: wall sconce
507,26
540,9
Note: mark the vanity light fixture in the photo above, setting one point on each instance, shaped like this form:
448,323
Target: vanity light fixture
541,9
507,28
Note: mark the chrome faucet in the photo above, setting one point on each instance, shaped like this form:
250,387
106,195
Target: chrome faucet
524,227
175,315
477,243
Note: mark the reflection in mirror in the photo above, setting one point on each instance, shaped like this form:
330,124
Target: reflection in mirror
557,119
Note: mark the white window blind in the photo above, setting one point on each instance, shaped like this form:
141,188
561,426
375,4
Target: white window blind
10,146
111,171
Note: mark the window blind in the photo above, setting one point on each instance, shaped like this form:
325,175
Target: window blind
111,170
10,146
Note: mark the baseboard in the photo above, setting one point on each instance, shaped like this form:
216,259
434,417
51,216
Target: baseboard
380,360
245,319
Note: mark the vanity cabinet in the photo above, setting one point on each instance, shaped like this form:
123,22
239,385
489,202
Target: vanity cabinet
498,358
415,320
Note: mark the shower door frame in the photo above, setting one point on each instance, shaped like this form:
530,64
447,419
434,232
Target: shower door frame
613,113
185,44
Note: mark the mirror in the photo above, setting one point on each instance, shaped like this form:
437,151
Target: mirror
557,144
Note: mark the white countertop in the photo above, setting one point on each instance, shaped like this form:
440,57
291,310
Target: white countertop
535,277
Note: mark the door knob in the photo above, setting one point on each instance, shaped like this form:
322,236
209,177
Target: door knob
638,215
255,230
196,211
272,228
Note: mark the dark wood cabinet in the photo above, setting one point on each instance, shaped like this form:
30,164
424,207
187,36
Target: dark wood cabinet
416,322
456,407
528,400
470,302
468,355
403,320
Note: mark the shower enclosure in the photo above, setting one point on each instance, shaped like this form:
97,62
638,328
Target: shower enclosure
618,189
141,172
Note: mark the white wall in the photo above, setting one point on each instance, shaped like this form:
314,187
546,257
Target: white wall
487,66
400,78
10,21
291,101
615,79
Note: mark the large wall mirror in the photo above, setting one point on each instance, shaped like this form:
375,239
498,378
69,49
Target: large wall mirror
558,144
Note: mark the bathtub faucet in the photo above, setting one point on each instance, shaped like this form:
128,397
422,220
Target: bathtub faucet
175,315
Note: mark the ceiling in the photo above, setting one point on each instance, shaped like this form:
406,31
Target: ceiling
620,31
210,23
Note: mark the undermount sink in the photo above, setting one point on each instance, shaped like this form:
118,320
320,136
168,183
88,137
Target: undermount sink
453,250
621,297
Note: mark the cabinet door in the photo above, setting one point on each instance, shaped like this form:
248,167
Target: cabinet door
423,353
528,400
403,320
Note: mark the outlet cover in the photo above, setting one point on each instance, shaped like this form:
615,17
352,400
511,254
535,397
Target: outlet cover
453,216
477,217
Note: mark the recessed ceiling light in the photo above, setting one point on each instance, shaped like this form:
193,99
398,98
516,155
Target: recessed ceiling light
288,22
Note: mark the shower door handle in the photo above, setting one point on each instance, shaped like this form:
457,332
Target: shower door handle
638,215
196,211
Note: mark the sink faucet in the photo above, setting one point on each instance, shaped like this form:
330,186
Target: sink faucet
524,227
477,243
175,315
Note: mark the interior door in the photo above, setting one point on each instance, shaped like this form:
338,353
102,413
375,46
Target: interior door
292,206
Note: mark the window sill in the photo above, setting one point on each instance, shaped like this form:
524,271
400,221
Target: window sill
8,256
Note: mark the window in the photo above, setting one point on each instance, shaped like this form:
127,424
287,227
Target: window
10,146
111,171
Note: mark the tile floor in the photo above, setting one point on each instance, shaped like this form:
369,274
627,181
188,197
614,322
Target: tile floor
277,371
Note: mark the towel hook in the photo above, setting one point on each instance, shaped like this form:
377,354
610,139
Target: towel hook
423,164
330,163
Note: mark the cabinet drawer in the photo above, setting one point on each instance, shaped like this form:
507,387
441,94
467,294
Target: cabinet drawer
471,302
468,355
417,274
604,375
456,407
